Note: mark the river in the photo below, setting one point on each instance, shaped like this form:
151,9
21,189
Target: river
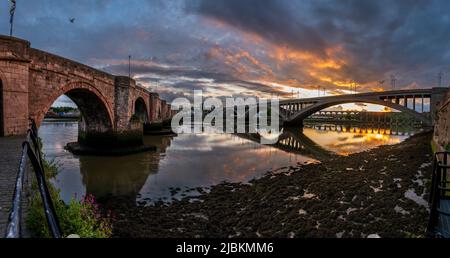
189,164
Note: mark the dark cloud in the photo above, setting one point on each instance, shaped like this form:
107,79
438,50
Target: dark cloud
273,20
173,82
408,38
246,46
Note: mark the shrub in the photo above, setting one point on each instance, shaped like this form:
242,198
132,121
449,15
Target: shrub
83,218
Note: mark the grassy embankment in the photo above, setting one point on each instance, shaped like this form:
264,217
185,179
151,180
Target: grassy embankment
83,218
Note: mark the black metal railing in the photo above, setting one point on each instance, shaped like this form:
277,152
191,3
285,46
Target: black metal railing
31,150
440,191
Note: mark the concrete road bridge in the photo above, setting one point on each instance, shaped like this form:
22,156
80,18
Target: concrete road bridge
419,103
31,80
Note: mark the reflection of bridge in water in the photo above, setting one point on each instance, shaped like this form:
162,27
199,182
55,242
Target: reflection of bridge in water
364,128
104,176
386,118
293,140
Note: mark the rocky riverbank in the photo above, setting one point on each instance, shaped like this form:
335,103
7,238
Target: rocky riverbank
380,192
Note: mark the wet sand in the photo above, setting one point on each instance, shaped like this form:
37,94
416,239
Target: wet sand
380,192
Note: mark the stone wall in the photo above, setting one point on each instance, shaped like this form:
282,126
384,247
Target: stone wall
442,126
122,102
155,107
163,110
168,112
14,62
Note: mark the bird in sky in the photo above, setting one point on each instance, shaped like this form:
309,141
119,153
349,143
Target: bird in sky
72,20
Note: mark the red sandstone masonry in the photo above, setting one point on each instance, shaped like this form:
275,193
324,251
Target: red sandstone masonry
155,107
33,79
442,127
14,75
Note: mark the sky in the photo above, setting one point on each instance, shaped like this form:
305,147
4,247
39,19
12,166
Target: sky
247,48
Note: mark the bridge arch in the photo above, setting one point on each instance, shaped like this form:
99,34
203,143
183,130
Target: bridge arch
140,110
308,111
97,115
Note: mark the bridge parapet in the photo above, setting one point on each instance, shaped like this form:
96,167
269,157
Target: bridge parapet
44,61
14,49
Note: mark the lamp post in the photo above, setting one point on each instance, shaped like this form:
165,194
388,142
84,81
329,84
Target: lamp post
129,67
12,10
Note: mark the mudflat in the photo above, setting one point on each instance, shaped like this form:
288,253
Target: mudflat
381,192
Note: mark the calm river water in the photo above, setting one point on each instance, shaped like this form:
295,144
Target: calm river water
186,162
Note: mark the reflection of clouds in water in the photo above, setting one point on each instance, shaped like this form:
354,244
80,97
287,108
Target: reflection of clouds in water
192,148
348,142
185,161
231,159
203,140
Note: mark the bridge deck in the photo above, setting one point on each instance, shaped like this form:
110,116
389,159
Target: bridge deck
411,92
10,152
444,221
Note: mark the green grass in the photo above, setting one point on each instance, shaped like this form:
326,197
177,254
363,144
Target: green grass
412,235
434,147
83,218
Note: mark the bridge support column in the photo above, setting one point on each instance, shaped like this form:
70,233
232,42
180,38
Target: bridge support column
14,74
111,139
126,131
421,109
155,108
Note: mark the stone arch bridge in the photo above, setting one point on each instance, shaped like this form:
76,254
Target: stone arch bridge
419,103
31,80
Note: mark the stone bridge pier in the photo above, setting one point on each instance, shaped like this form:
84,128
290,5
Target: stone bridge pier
113,108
